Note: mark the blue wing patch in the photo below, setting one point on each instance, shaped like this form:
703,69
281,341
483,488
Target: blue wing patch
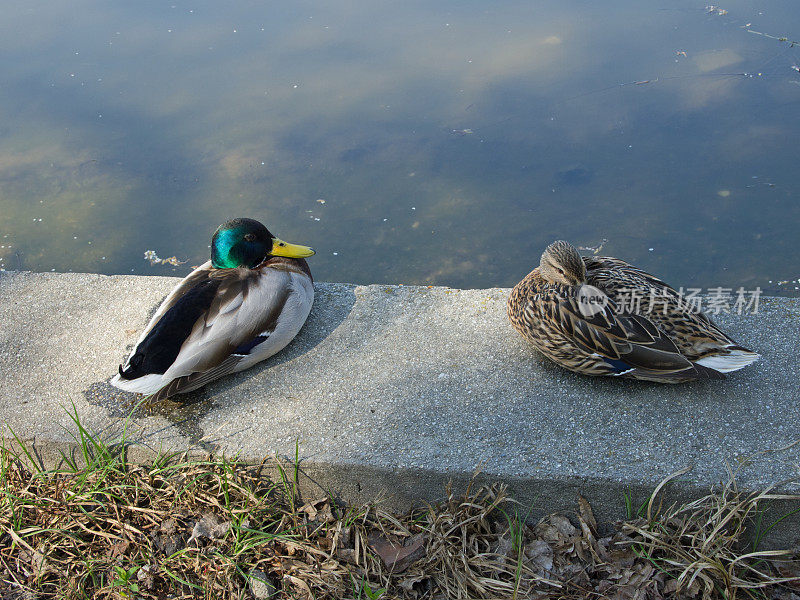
247,347
620,367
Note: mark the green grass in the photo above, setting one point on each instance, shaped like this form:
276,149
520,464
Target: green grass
101,526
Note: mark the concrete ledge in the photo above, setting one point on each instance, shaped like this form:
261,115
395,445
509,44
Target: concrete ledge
393,390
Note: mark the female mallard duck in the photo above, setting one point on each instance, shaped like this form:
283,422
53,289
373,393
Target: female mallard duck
237,309
602,316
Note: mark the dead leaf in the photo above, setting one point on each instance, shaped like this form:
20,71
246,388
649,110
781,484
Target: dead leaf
563,526
397,555
788,568
415,585
540,554
118,549
505,546
209,526
347,555
146,577
39,564
587,515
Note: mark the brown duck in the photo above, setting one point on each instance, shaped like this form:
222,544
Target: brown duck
602,316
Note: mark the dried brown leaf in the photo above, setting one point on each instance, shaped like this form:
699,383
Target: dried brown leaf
146,577
587,515
209,526
397,555
415,585
563,525
540,554
118,549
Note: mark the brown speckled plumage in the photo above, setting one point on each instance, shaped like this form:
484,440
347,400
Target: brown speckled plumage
656,339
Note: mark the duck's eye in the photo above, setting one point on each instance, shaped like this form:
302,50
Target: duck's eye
282,244
249,237
560,270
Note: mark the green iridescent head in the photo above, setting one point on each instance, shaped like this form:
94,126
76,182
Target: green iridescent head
247,243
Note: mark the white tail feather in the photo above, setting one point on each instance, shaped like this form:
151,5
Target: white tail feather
725,363
147,384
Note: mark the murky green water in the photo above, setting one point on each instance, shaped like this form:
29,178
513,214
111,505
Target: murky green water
449,141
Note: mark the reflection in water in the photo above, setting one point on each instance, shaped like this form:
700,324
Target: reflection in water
450,142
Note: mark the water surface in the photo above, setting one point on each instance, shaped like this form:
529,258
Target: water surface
423,143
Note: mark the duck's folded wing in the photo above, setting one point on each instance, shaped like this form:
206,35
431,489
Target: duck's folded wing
627,343
172,325
214,325
243,314
198,276
624,282
250,320
695,333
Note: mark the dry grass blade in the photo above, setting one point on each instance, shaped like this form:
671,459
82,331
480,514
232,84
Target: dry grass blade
214,528
701,543
660,486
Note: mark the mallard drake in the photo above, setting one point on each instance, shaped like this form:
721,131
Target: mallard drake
578,312
242,306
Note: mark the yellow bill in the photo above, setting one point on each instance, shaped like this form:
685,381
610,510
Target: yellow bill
281,248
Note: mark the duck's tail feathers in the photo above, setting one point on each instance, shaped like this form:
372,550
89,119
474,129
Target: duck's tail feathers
732,358
146,384
193,381
692,373
707,372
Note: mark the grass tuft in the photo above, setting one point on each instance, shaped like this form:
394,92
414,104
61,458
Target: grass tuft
103,527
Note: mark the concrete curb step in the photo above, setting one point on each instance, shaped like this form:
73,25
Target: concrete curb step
394,390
